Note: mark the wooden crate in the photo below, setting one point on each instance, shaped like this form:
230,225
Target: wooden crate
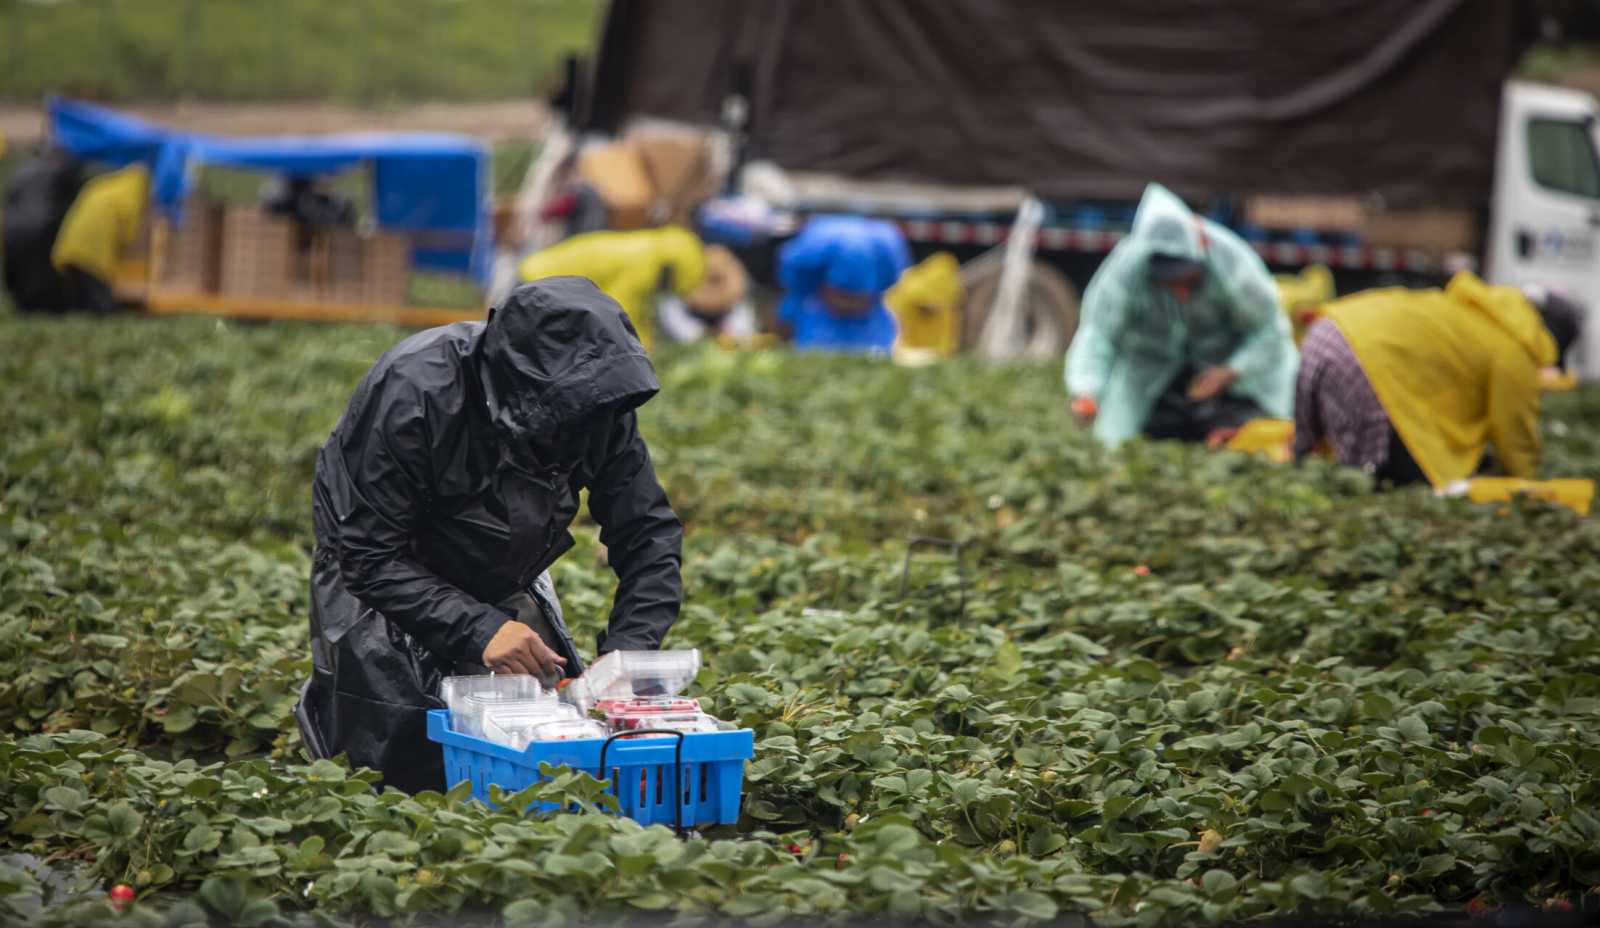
1302,212
617,173
343,283
373,269
386,269
259,256
1438,230
1432,230
188,256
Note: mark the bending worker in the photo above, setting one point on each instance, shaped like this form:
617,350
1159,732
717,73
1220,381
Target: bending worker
926,302
834,275
105,221
1413,385
717,309
1181,334
38,195
630,267
444,495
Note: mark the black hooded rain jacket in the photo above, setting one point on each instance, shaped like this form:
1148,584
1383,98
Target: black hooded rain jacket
448,486
38,195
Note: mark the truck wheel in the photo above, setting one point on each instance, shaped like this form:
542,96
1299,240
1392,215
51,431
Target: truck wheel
1050,308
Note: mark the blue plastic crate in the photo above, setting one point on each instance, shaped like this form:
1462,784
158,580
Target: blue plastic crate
709,782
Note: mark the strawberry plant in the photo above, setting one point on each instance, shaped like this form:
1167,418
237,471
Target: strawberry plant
1161,686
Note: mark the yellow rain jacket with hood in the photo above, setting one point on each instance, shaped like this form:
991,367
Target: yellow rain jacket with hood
626,266
1135,336
926,303
103,222
1455,369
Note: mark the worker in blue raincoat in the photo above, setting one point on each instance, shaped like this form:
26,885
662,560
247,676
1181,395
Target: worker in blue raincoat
1182,334
834,275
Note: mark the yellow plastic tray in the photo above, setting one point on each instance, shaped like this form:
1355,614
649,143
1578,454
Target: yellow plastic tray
1271,437
1576,495
1557,381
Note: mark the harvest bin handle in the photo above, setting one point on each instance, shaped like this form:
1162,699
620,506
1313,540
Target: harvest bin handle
677,769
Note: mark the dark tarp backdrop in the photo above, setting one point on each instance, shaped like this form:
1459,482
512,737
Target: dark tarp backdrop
1395,97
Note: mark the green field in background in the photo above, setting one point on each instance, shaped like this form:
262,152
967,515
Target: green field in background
359,50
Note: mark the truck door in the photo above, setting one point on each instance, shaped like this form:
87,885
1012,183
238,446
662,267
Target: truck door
1545,223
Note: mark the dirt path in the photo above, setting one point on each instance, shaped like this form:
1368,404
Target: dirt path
494,120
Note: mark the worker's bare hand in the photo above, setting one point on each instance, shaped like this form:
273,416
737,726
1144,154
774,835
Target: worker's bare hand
516,648
1210,382
1084,409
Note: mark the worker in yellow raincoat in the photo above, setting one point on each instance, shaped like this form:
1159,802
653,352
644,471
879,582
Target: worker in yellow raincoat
630,267
926,303
104,221
1412,386
1303,295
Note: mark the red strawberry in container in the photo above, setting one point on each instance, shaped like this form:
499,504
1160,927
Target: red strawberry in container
687,722
645,704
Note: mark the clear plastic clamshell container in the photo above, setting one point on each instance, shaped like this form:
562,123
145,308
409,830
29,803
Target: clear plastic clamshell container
574,729
643,704
507,685
668,721
468,697
626,674
516,724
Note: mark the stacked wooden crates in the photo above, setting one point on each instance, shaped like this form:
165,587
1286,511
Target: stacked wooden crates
370,269
245,252
1437,230
258,255
186,257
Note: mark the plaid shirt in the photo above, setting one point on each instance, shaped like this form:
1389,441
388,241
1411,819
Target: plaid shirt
1333,401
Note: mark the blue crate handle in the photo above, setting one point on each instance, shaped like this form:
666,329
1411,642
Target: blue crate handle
677,768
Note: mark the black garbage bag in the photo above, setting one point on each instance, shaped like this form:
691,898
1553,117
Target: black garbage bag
37,198
447,488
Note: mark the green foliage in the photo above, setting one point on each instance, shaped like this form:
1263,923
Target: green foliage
363,50
1320,700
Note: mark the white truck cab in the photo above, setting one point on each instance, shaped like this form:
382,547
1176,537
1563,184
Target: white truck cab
1544,224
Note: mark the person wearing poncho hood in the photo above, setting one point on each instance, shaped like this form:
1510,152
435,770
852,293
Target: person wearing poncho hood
1181,334
103,224
631,267
1413,386
834,274
442,498
38,195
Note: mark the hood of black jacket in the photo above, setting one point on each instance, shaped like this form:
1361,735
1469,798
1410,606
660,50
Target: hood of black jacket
556,353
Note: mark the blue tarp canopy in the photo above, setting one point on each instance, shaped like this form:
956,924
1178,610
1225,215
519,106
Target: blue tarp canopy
432,187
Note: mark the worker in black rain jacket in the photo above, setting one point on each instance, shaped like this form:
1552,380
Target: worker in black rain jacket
38,195
443,496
